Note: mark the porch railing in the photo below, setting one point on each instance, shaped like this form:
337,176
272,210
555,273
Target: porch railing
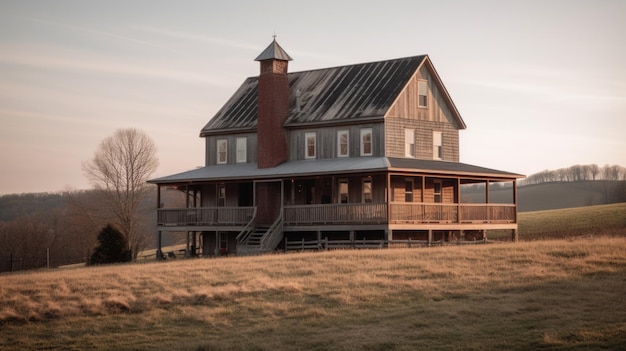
204,216
368,213
336,214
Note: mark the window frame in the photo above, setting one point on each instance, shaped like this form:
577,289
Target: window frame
220,191
219,143
437,145
422,91
308,135
437,195
364,132
341,133
408,195
364,194
242,150
340,192
409,143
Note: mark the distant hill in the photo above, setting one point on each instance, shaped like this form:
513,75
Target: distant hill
557,195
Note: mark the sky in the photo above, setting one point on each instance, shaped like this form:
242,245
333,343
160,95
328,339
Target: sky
540,84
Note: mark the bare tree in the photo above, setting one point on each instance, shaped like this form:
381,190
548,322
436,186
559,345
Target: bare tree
119,171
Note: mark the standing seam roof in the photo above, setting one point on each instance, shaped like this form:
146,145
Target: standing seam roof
342,93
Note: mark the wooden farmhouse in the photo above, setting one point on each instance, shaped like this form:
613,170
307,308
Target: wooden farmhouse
365,155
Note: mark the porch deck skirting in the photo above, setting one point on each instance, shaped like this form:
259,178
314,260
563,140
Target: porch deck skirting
345,214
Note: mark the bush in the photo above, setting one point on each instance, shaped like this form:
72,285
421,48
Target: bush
112,247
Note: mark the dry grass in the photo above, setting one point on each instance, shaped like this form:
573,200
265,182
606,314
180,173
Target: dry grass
543,294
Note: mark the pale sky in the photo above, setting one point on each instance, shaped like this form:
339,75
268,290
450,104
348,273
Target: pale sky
540,84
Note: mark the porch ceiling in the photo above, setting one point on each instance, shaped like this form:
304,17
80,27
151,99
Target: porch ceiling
338,166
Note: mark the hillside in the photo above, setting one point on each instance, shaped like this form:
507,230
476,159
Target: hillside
562,295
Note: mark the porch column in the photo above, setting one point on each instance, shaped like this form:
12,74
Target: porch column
159,251
430,237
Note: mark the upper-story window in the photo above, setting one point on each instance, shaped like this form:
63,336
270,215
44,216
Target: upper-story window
409,142
309,144
222,151
343,139
366,142
437,146
242,149
422,93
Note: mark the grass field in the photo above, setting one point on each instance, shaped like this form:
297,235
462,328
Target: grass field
538,294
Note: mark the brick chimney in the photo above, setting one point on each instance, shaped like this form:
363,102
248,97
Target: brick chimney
273,106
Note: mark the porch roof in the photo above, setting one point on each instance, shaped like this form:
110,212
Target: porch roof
336,166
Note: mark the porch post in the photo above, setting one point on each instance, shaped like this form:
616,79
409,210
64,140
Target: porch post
430,237
458,199
159,252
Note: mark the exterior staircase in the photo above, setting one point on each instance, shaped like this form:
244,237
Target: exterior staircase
260,238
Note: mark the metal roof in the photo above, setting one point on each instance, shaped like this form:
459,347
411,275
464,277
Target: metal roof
339,166
274,52
338,94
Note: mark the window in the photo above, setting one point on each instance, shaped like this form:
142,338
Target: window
409,142
343,191
221,195
309,144
222,151
408,190
242,147
437,191
437,146
366,142
422,93
367,191
342,143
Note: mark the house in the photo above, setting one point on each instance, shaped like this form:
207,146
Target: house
355,156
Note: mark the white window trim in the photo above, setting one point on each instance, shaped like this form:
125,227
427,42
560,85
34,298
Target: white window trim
225,143
409,143
437,145
365,131
307,135
339,134
440,193
242,150
412,192
419,93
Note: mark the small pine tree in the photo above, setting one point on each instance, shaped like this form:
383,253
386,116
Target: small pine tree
112,247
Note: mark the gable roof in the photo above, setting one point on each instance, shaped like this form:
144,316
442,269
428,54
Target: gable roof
342,94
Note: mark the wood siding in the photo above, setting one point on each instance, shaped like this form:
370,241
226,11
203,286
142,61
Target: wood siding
405,113
326,141
211,148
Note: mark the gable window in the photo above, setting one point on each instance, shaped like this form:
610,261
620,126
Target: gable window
422,93
366,142
437,191
409,142
437,146
342,143
408,190
222,151
242,149
367,191
343,191
309,144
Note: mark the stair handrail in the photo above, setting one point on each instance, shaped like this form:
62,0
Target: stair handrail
242,237
273,236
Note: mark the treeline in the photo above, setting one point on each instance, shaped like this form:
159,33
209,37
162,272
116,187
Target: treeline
577,173
51,230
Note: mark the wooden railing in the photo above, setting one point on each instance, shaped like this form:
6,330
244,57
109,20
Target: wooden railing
336,214
204,216
368,213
